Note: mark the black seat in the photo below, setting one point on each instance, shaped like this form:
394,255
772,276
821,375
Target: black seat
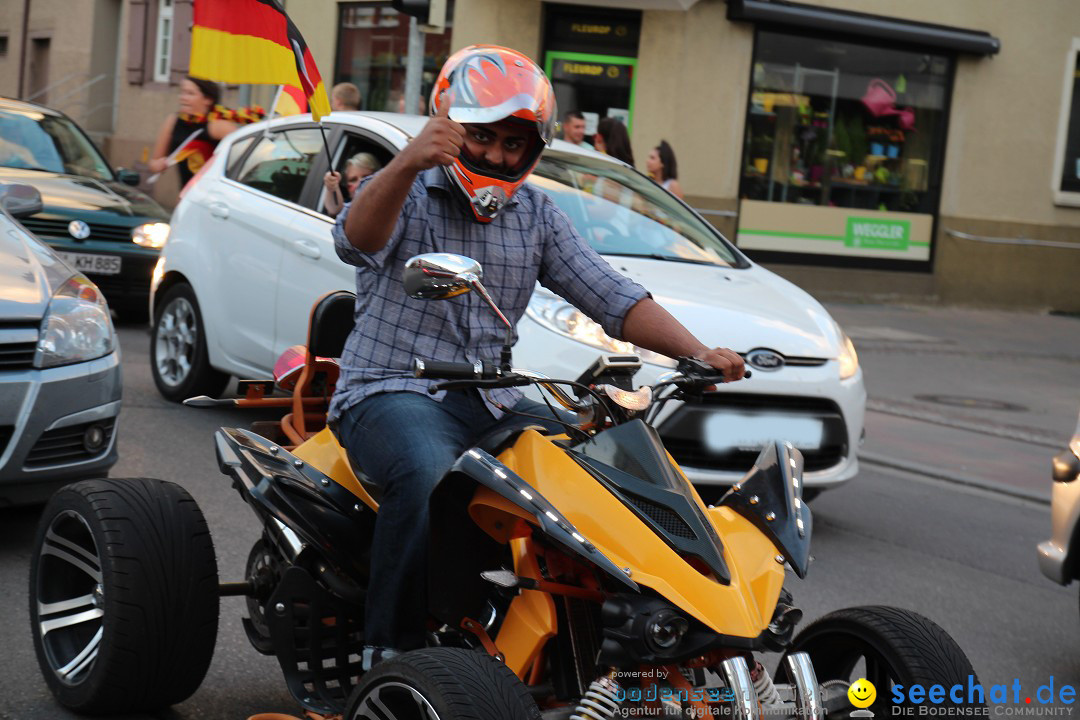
331,323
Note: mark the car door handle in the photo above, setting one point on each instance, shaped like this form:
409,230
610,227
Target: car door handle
219,210
307,248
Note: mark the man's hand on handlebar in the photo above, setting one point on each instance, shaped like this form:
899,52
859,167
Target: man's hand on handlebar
727,362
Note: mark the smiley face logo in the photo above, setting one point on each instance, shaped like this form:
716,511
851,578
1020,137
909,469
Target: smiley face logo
862,693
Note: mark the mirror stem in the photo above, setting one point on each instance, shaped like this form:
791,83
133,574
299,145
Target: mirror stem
504,359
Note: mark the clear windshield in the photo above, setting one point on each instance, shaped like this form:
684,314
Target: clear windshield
33,141
621,212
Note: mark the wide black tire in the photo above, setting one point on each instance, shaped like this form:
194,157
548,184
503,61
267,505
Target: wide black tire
455,683
128,577
178,357
896,646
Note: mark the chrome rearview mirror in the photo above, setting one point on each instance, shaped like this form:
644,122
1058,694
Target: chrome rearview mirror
438,276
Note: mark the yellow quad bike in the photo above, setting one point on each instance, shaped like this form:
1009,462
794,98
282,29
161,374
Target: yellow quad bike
573,576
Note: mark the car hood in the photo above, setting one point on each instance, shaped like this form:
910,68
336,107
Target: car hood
29,274
105,201
742,309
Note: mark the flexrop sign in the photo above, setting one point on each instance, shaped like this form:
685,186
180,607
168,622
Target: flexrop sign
877,233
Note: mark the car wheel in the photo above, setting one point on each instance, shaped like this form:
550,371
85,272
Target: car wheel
178,357
441,684
123,595
887,646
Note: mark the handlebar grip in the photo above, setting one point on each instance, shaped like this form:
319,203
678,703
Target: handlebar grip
439,370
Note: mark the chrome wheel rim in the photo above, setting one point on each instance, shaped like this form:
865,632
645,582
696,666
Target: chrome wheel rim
174,342
394,701
70,598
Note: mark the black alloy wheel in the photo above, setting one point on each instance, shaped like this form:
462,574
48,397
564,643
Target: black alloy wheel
123,595
888,646
441,684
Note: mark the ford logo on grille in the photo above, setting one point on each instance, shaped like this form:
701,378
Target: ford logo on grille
78,229
765,359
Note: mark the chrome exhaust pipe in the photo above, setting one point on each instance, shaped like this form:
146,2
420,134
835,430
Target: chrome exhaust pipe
745,705
808,701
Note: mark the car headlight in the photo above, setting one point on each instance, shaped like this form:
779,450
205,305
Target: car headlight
150,235
77,326
560,316
849,360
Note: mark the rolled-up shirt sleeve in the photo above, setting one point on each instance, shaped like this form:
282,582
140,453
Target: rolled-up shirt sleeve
576,272
345,249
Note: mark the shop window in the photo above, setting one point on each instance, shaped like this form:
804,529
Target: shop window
373,46
1067,167
855,128
3,45
163,44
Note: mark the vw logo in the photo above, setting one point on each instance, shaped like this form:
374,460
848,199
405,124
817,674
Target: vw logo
78,229
765,359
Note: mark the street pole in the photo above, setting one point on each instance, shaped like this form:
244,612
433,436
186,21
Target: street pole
414,66
22,45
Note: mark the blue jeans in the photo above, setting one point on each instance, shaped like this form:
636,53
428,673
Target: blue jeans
405,442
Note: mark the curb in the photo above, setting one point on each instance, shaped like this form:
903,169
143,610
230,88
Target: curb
939,474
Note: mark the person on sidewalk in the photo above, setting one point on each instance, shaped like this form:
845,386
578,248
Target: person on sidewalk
459,187
613,138
573,129
344,97
199,125
663,169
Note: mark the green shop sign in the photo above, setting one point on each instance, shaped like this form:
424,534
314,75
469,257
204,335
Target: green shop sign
877,233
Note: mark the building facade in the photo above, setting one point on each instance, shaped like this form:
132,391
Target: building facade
862,148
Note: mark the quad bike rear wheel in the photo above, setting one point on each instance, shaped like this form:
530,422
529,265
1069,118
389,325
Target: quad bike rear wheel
123,595
441,684
887,646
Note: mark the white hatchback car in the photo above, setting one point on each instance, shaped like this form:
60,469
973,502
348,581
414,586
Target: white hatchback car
251,251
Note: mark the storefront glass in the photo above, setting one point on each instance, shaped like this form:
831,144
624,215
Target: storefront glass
843,148
1070,172
373,45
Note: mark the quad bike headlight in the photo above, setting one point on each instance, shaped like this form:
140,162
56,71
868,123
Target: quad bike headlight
665,630
556,314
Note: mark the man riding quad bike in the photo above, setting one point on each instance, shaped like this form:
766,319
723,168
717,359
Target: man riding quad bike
445,548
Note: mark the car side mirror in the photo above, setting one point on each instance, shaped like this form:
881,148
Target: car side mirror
128,177
19,200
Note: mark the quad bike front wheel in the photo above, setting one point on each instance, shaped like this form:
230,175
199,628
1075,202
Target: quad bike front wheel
888,646
123,595
441,684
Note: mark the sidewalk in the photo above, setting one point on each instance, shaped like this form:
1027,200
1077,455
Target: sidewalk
978,397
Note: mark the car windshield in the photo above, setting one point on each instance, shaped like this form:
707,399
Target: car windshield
35,141
621,212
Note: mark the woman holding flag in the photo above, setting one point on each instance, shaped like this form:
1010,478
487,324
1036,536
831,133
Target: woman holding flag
189,137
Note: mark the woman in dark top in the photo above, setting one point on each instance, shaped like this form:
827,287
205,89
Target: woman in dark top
612,138
199,113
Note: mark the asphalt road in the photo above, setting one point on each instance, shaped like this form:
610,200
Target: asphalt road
963,557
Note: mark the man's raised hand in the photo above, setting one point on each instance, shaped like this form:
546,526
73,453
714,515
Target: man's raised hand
439,143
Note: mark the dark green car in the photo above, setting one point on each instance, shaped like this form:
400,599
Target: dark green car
92,216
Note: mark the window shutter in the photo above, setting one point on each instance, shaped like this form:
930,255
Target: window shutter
138,37
183,17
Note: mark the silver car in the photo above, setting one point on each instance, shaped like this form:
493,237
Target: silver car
59,364
1059,557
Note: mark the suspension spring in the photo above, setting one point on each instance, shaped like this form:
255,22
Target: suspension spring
600,702
764,687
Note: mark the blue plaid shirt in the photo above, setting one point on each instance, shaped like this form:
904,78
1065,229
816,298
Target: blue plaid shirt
530,240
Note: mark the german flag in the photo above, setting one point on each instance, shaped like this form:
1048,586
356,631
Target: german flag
254,42
291,101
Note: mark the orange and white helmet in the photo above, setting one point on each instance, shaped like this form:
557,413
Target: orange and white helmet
487,84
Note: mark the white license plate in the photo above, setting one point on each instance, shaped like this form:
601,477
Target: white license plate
98,264
730,431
